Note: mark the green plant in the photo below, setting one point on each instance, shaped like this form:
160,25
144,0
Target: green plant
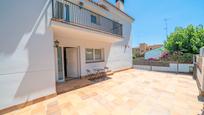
186,58
181,58
186,40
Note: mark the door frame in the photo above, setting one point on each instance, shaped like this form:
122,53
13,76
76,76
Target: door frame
67,12
57,64
78,62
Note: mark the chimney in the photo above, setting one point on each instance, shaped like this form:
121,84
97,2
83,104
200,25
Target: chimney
120,4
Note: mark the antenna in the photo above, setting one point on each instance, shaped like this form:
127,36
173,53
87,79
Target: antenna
166,26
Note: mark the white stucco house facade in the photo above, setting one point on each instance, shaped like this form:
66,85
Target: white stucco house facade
45,41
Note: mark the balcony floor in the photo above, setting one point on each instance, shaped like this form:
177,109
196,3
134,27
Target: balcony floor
135,92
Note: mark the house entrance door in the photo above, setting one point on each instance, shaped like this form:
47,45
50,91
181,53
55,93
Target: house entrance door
71,60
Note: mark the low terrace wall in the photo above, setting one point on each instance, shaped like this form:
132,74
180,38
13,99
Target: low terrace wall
182,68
199,72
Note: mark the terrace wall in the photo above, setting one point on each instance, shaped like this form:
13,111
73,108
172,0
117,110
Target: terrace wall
199,72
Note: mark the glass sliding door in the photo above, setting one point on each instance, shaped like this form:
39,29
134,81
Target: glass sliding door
60,64
67,15
59,10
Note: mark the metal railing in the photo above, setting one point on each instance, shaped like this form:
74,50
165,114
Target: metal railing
78,15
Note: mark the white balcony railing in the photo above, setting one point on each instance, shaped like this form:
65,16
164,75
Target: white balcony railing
76,14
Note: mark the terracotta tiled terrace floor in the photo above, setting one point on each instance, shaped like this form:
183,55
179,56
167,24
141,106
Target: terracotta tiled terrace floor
131,92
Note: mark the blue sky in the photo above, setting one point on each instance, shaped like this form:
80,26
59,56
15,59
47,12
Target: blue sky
150,14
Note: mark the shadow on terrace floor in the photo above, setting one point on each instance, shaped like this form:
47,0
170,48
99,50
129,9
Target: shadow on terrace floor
78,83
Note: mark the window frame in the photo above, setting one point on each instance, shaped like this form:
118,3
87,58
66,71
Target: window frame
59,10
67,12
94,55
93,19
96,19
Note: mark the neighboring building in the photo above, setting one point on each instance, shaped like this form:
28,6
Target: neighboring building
46,41
143,47
154,54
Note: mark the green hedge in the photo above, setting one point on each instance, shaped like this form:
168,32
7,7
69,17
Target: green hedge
181,58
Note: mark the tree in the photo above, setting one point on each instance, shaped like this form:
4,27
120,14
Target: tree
186,40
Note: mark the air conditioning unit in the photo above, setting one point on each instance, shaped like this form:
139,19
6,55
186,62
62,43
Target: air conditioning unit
202,51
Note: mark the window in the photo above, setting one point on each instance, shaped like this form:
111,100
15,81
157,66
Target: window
93,19
117,28
89,55
94,55
98,54
59,10
67,17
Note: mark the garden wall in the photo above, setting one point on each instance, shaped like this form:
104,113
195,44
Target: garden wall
199,72
183,68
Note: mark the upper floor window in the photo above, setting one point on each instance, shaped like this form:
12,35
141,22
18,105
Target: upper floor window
95,19
59,10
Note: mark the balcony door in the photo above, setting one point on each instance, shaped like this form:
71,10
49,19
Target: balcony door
59,12
67,14
62,11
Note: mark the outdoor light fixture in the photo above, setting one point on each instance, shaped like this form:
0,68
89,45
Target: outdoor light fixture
56,43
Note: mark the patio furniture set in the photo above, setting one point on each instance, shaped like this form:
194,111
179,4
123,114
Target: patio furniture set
97,73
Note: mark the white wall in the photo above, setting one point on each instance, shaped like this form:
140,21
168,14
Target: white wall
26,51
200,73
184,68
200,79
121,52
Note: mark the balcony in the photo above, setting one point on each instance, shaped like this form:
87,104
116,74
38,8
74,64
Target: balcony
76,15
